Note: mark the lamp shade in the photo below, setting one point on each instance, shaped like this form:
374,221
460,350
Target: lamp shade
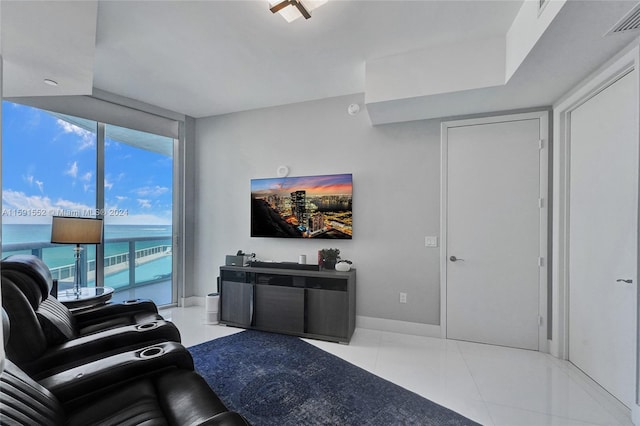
76,230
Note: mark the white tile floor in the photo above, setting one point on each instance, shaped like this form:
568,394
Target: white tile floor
489,384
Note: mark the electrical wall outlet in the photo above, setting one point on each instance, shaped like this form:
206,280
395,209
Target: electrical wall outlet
431,241
403,297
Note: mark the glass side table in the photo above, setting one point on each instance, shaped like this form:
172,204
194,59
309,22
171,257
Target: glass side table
89,296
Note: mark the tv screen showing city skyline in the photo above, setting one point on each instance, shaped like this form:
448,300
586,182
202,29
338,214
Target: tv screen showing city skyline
302,207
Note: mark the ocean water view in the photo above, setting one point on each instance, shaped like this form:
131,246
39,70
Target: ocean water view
151,243
13,234
27,233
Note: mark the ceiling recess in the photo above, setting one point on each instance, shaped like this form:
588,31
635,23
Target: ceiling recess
631,21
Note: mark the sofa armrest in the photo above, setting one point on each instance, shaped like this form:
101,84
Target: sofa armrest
102,312
77,384
98,345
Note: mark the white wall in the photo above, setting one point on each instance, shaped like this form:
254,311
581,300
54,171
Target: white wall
526,30
436,70
396,178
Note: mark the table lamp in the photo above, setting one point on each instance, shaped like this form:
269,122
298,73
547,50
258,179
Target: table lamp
76,230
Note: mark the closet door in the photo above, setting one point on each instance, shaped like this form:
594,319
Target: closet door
604,236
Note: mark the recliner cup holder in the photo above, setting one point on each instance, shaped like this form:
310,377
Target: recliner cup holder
147,326
151,352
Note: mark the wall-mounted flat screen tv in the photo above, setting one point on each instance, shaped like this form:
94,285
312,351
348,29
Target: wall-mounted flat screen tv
302,207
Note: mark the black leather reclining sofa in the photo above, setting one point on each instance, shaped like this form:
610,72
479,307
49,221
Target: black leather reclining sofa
102,366
52,337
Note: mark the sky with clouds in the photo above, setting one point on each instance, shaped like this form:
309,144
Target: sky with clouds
49,167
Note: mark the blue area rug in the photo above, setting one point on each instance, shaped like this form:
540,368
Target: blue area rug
274,379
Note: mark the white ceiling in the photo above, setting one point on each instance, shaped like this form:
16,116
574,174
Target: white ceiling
204,58
54,40
573,47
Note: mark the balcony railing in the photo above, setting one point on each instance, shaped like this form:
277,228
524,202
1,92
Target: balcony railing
119,271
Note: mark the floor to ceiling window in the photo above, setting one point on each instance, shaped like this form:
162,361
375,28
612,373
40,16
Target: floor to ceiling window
59,165
48,169
138,213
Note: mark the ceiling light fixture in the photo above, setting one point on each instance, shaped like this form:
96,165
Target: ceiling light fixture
50,82
298,8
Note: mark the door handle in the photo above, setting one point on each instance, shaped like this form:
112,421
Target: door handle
455,259
621,280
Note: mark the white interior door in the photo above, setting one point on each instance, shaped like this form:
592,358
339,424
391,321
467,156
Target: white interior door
603,237
493,235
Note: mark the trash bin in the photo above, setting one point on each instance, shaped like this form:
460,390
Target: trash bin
211,306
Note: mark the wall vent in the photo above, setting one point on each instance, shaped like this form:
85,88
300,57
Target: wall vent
631,21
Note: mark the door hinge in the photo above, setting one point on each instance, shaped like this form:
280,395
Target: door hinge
541,261
541,203
540,320
540,143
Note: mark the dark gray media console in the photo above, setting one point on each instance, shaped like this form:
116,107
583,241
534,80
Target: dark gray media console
316,304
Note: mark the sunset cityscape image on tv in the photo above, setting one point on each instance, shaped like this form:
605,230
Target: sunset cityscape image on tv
302,207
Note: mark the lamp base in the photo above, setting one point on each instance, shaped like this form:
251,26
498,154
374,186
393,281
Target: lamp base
77,278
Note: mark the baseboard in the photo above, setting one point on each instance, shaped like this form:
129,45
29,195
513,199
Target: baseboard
395,326
635,414
192,301
381,324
